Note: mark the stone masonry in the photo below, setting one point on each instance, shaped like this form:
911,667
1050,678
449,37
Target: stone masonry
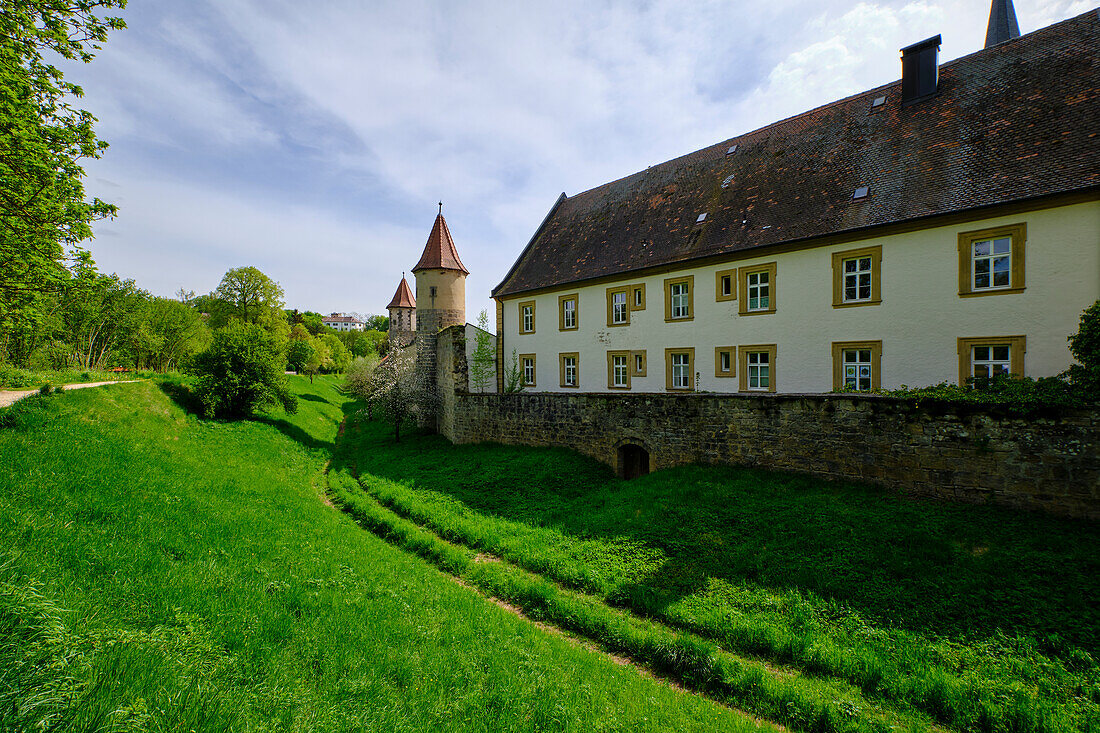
969,453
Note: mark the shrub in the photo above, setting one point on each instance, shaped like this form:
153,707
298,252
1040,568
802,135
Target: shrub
240,372
357,381
1085,347
44,389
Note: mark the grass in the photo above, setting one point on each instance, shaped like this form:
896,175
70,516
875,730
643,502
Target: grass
14,378
980,617
159,572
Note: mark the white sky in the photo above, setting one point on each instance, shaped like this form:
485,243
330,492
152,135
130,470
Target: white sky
313,140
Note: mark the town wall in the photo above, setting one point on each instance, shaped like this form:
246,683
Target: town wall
1048,461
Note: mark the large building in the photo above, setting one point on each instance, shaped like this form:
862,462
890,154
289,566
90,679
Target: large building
343,322
941,226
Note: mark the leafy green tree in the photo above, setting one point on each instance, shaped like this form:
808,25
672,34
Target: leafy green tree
378,323
241,372
1085,347
298,355
250,296
43,212
339,358
357,380
483,366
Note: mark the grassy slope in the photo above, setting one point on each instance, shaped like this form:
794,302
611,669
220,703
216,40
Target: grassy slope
205,586
979,616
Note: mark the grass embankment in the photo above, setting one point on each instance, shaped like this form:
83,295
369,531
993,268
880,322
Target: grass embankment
980,617
14,378
162,572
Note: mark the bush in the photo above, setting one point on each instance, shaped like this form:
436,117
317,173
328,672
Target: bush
44,389
1085,347
358,380
241,372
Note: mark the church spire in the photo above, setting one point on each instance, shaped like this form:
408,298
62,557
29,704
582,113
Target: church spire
440,252
1002,23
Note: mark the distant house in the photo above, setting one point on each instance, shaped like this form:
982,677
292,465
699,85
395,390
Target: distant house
341,322
872,242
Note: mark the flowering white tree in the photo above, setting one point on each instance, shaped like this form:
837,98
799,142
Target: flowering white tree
399,393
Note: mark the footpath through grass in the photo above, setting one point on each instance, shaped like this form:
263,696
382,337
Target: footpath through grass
982,618
161,573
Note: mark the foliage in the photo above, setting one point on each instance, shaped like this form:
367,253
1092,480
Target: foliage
241,372
248,295
338,356
838,581
378,323
361,343
399,394
206,587
1021,395
299,354
483,368
358,381
513,376
43,214
1085,347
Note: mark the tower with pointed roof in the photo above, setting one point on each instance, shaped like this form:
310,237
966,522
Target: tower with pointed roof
1002,23
440,282
402,310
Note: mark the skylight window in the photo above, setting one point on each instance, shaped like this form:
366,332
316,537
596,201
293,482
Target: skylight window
861,192
878,102
732,150
701,218
726,183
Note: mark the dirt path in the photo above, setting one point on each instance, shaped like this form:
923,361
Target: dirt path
9,398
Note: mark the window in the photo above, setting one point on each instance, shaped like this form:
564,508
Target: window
757,367
618,312
639,366
680,369
989,357
637,298
757,289
527,364
527,317
725,285
724,357
567,368
857,365
856,277
678,299
991,261
567,312
618,369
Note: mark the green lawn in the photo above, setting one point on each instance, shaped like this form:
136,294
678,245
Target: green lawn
159,572
980,617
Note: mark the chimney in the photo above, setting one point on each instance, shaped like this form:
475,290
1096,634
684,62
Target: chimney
920,70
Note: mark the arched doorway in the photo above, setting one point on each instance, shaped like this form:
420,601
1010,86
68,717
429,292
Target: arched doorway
633,461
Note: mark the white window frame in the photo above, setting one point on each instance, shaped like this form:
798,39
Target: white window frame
528,325
991,258
855,276
725,362
620,374
991,362
619,312
681,372
858,366
679,297
569,315
758,368
569,366
528,371
755,286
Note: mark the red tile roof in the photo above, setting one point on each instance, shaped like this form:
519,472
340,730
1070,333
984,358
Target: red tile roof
440,252
403,298
334,318
1010,123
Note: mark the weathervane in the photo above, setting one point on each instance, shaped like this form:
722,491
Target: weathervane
441,208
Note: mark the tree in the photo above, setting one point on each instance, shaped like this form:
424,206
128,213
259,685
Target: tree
339,358
298,355
1085,347
250,296
398,394
241,372
513,376
43,214
378,323
483,367
358,379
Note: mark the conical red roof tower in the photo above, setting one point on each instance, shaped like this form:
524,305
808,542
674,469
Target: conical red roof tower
403,298
440,252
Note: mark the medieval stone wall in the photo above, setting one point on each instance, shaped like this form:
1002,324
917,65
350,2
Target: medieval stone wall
970,453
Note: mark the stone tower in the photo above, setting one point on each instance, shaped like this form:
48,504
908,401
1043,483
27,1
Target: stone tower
402,310
440,283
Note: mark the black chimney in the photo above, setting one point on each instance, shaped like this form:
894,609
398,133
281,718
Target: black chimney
920,70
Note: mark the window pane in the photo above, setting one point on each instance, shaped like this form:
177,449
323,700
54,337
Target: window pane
1002,246
763,377
865,263
1000,353
981,280
981,248
726,285
981,353
850,265
725,361
865,356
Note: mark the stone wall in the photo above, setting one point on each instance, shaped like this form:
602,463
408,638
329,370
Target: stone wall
970,453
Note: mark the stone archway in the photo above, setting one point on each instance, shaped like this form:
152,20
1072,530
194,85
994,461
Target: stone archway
631,460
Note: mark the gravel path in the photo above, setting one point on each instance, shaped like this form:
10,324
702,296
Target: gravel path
9,398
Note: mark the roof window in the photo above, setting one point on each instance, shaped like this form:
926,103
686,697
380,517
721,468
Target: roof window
732,150
878,102
701,218
726,183
861,192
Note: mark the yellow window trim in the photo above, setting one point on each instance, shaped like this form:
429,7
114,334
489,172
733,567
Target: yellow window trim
743,364
522,305
731,273
635,372
1017,233
611,369
1017,348
534,370
875,253
743,282
637,304
691,369
669,282
718,351
838,361
625,290
576,311
561,369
